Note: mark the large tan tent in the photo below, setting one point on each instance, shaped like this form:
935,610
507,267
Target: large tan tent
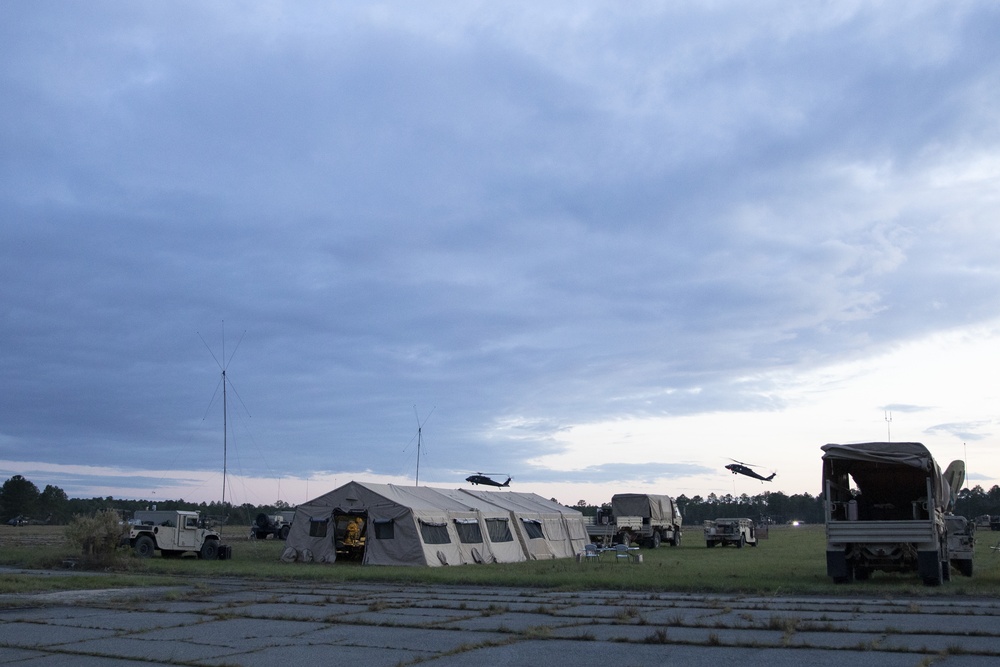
385,524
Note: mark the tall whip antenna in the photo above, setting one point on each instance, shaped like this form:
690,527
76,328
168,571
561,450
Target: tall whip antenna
420,430
223,365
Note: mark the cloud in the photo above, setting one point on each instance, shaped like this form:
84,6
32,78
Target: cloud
526,218
971,431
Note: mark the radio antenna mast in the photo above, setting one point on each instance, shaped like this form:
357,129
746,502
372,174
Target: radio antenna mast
420,430
223,365
888,426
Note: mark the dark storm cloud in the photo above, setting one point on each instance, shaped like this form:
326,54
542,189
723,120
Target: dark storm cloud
477,210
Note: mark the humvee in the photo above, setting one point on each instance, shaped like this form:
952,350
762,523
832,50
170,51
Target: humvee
738,532
173,533
275,524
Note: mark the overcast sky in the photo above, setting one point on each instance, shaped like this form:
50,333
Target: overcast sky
599,247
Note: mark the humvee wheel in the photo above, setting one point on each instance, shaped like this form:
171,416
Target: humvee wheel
209,550
743,541
283,534
144,546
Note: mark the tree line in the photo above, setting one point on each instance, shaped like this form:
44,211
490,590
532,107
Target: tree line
19,497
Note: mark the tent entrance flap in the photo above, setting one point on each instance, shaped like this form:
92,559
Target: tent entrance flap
350,533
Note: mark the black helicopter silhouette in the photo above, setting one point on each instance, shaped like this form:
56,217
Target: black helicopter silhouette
485,479
740,468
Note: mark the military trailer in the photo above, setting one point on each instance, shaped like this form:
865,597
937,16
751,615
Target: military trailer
738,532
173,533
648,520
885,506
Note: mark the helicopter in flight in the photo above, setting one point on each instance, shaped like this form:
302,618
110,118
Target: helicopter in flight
740,468
485,479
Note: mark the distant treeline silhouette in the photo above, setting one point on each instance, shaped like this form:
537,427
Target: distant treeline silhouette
20,497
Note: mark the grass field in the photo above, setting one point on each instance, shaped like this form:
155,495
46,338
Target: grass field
791,561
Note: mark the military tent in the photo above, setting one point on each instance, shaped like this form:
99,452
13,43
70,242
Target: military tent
385,524
544,529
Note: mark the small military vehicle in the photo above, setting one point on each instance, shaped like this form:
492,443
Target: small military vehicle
961,543
266,525
737,532
173,533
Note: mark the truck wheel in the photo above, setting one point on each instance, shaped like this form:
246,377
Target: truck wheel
929,567
144,546
743,540
209,550
283,534
676,541
655,542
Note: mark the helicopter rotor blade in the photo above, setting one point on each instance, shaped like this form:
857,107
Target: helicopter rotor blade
742,463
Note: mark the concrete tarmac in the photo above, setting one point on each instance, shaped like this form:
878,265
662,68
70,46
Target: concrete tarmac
249,623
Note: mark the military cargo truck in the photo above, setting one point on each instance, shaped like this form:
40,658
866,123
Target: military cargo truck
885,506
648,520
173,533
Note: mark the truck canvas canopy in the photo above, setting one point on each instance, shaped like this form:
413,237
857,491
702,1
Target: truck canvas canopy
657,508
869,464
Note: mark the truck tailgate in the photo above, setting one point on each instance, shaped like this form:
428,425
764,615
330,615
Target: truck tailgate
854,532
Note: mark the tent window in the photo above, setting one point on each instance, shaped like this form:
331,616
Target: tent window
317,527
533,529
499,530
468,531
384,530
434,533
